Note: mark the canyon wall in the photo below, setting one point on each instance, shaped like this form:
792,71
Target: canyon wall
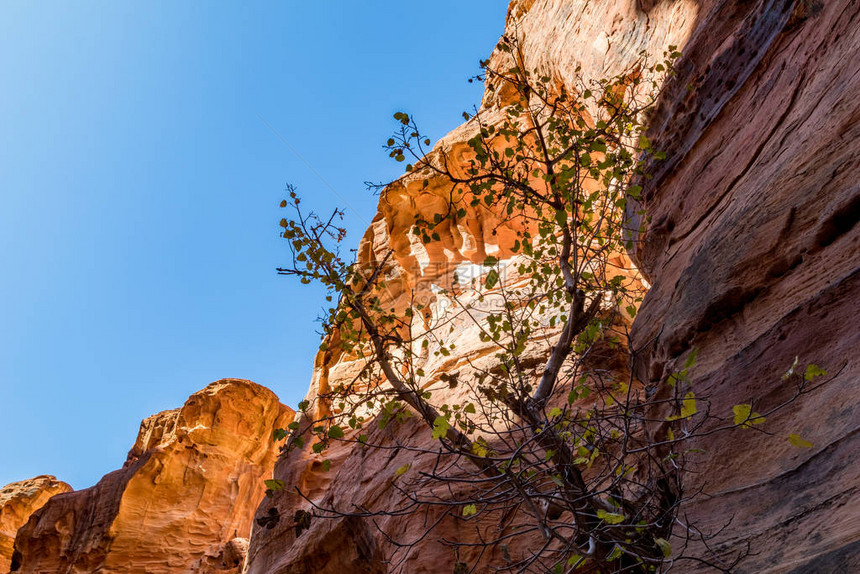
18,501
752,251
183,501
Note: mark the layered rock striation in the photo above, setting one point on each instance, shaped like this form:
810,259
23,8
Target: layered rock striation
753,252
18,501
751,247
183,501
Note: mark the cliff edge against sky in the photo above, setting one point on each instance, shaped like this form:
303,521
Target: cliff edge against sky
752,254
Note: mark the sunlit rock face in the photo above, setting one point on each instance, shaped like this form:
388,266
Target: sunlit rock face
360,477
18,501
752,250
184,500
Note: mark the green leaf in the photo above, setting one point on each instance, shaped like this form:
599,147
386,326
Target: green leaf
490,261
275,484
318,447
799,441
326,465
691,359
470,408
440,427
335,432
813,371
303,406
469,510
745,417
281,434
688,408
664,546
492,279
555,413
615,554
610,517
402,469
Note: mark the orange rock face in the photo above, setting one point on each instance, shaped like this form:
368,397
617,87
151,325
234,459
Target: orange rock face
18,501
183,502
360,477
752,249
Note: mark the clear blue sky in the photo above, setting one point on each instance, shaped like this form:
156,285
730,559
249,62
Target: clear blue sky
138,223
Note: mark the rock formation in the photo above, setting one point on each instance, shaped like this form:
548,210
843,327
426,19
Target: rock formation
752,250
754,258
183,501
18,501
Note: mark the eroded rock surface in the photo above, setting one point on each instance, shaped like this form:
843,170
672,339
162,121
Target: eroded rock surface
184,500
18,500
752,250
754,257
362,478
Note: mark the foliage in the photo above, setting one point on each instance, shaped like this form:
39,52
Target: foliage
577,465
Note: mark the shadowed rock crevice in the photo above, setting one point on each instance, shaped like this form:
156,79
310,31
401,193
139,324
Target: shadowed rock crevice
843,220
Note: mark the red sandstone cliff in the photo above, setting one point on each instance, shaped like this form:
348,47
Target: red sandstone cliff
183,502
752,251
754,257
18,501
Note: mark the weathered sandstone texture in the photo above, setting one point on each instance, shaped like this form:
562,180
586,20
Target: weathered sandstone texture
751,249
18,501
753,253
183,501
361,477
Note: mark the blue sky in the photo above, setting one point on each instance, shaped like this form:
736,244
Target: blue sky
139,218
